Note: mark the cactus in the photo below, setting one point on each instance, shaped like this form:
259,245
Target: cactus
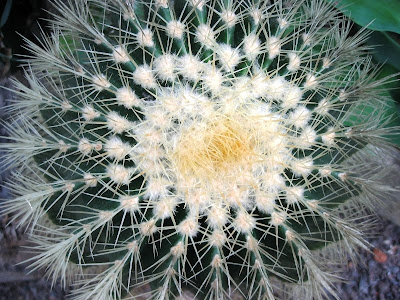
210,146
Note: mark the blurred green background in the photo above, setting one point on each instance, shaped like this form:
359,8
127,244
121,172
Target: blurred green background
382,17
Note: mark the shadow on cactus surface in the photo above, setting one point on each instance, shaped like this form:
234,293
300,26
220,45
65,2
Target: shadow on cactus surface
216,147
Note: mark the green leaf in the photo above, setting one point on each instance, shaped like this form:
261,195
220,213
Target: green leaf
386,48
391,114
6,13
384,14
365,111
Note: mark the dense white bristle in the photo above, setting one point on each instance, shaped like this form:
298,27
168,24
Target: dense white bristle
294,62
302,167
266,203
164,66
118,123
190,67
273,47
278,218
130,203
311,81
120,55
329,137
165,207
229,56
251,46
213,79
307,137
292,97
189,227
229,17
175,29
148,228
100,82
116,148
300,116
90,180
205,35
217,216
257,15
244,221
145,38
119,174
198,4
85,146
162,3
144,76
217,238
127,97
89,113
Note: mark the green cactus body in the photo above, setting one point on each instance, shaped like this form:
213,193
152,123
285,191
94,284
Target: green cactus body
194,145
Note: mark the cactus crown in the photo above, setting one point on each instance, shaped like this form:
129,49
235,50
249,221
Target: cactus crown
202,145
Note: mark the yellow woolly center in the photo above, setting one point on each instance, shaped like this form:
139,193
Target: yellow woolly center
215,149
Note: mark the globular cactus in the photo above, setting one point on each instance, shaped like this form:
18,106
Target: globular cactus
210,146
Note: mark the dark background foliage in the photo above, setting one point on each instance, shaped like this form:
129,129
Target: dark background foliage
26,18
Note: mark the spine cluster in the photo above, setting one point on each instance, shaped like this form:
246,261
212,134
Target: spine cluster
212,146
